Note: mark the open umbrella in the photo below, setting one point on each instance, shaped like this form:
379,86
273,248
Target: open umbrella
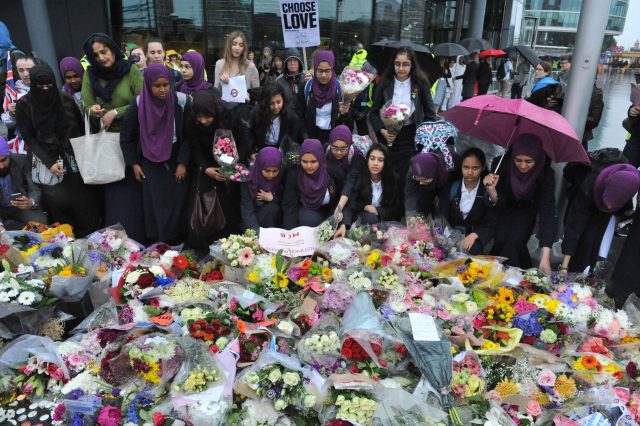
497,120
475,44
526,52
491,52
381,56
450,49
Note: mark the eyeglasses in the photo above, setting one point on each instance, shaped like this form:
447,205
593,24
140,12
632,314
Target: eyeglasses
339,148
402,64
326,71
539,69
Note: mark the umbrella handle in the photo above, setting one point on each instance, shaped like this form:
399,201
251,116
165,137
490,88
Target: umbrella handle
515,127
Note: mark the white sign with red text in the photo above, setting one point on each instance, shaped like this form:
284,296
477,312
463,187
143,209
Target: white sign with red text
300,241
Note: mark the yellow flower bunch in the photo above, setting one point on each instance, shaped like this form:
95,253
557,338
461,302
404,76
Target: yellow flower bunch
62,229
502,313
626,340
473,274
552,305
374,259
565,386
73,271
281,280
327,274
506,388
539,299
152,376
505,296
489,345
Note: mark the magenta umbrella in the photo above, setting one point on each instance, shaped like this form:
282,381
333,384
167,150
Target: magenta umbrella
499,121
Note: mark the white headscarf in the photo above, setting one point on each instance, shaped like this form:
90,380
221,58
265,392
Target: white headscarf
458,69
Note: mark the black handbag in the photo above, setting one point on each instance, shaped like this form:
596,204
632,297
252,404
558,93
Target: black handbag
207,217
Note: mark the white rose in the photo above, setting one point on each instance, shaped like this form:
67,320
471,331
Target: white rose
157,271
285,327
132,277
291,379
275,375
280,404
309,401
253,380
471,306
460,297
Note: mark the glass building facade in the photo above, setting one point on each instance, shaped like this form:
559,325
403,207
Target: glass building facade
557,22
343,23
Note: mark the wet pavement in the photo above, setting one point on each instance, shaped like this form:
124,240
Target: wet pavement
616,88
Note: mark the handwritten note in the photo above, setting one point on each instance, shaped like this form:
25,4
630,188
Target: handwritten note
423,327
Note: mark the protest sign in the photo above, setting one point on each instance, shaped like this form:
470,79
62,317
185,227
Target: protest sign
300,23
300,241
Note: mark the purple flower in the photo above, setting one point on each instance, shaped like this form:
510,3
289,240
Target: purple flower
75,394
565,297
528,323
386,311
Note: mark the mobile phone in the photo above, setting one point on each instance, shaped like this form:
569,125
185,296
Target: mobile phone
16,195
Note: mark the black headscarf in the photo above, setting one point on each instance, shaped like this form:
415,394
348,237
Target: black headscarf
47,105
113,74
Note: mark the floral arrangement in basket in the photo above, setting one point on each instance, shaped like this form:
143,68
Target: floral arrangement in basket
394,116
354,82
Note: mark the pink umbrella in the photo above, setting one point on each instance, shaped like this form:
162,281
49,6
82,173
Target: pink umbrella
497,120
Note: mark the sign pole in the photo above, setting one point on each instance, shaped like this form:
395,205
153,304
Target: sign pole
304,56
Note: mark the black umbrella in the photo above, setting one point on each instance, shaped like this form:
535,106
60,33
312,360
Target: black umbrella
526,52
450,49
381,56
475,44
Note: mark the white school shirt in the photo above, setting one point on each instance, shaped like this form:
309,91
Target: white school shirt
467,199
376,193
274,132
323,116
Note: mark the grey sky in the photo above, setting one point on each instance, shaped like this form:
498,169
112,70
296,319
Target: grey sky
631,27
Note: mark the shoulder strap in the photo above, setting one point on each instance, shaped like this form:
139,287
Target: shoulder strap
455,188
307,90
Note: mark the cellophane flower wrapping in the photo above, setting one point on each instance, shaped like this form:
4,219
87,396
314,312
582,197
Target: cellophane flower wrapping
150,360
200,373
320,346
338,297
324,232
397,406
362,331
393,116
224,148
355,81
72,282
351,398
115,244
433,359
358,278
291,374
341,252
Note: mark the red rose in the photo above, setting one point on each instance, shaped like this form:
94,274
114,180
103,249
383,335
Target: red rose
181,262
355,369
347,353
146,280
214,349
383,363
348,343
158,419
529,340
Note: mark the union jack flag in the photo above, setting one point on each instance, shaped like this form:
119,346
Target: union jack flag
10,89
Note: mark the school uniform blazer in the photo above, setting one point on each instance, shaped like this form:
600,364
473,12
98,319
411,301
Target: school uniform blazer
307,109
388,208
290,131
249,205
480,219
130,133
420,200
420,95
291,198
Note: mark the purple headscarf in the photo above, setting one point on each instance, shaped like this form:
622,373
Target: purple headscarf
615,186
70,64
530,145
198,81
267,157
313,187
430,166
342,133
324,93
4,147
156,117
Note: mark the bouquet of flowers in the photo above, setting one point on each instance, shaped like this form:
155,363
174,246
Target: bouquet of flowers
541,330
153,358
199,371
391,279
71,281
309,273
114,242
358,278
337,298
394,116
17,291
188,290
210,328
321,345
355,81
467,376
252,343
51,256
341,252
237,250
355,406
597,369
324,232
37,376
140,281
224,148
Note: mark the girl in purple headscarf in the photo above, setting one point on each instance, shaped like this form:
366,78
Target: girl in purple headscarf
260,204
599,198
425,184
320,99
152,144
310,193
72,72
522,191
192,70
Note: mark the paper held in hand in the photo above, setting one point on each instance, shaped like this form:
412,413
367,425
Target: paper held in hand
235,90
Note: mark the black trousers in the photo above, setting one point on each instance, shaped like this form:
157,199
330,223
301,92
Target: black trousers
516,91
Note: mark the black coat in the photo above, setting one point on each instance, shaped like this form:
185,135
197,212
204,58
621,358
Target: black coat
420,95
469,79
291,199
130,134
516,218
480,219
584,226
359,199
539,97
249,205
418,199
307,110
624,280
290,131
484,77
346,180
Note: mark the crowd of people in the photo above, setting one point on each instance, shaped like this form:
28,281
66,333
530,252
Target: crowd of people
295,135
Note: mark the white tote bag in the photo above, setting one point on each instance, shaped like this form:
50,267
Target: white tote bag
99,156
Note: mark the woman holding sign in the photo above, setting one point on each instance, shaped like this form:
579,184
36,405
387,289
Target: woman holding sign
260,204
403,84
320,99
310,194
236,63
